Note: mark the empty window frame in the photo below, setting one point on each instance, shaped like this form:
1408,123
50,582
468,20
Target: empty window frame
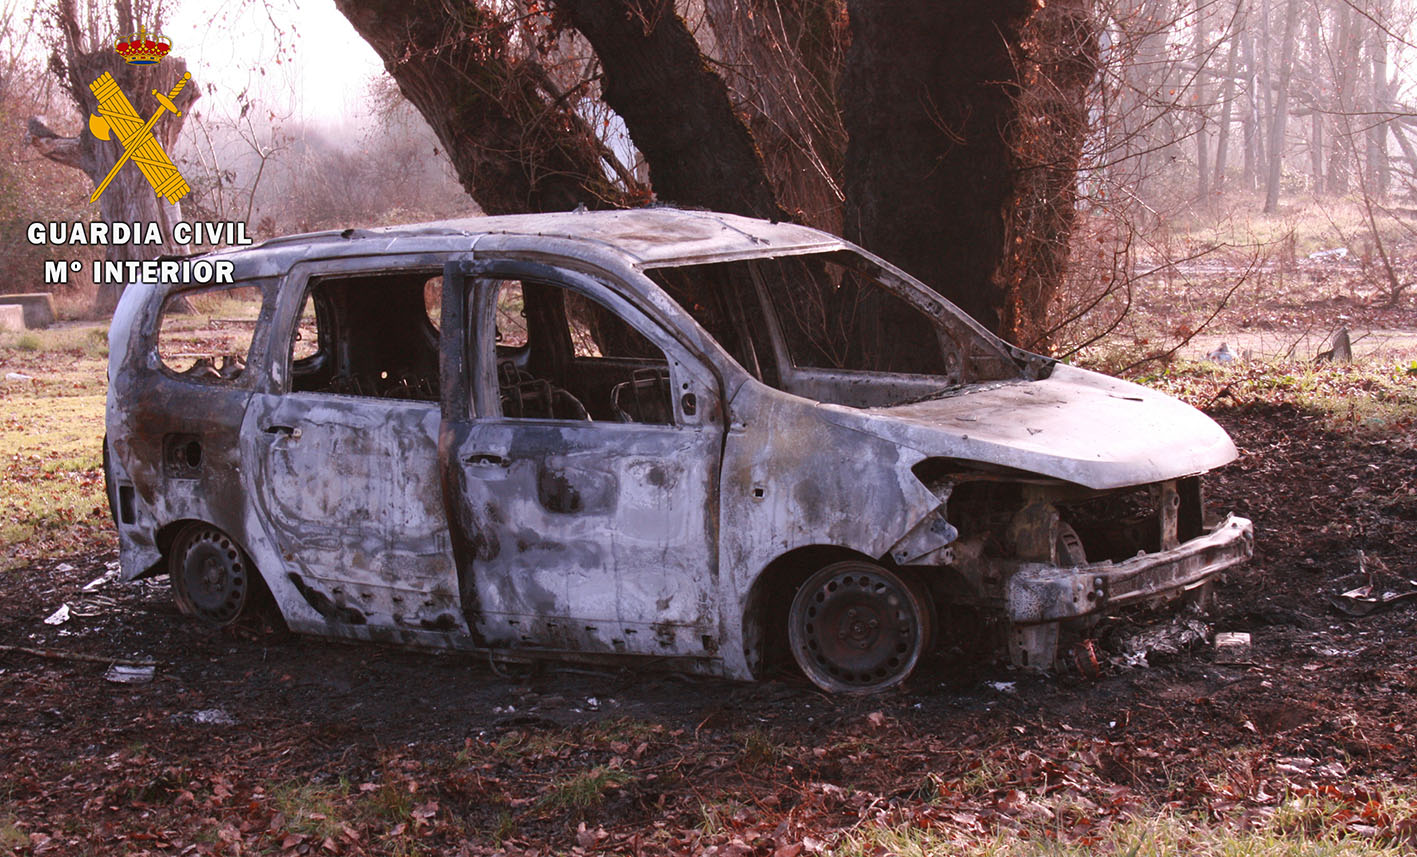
205,336
368,335
561,355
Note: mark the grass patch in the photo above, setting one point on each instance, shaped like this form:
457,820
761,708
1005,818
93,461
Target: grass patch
719,818
1163,835
1361,398
12,838
51,444
80,340
583,791
759,749
312,809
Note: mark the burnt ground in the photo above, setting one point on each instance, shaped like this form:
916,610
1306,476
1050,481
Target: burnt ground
338,748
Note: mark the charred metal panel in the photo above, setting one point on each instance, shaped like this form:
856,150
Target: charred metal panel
792,478
1042,593
600,529
1077,426
174,439
584,535
351,489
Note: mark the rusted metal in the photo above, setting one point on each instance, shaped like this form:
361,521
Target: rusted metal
400,478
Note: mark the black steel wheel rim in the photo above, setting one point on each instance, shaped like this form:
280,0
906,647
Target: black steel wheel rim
211,577
857,628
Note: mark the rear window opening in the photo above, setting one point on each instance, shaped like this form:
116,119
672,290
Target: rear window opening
205,336
369,335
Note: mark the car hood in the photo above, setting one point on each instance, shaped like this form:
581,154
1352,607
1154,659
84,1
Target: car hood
1075,425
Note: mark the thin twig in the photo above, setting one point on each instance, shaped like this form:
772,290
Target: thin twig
56,654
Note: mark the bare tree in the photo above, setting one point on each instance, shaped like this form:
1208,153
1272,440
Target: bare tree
83,49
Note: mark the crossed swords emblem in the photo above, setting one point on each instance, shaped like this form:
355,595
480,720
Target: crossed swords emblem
116,114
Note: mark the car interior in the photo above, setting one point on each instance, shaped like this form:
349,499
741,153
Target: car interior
562,356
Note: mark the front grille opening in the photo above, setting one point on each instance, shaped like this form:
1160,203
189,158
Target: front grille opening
1116,526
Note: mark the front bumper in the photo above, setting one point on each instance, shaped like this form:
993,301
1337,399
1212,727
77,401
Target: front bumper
1045,593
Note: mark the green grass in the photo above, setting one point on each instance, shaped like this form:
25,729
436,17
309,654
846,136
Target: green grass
12,838
82,340
51,444
313,809
583,791
1368,399
1161,835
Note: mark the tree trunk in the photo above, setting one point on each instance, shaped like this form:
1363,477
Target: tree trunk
929,92
676,109
1316,123
1281,110
128,198
1379,170
781,63
1227,97
516,143
1253,157
1202,101
1345,67
1046,140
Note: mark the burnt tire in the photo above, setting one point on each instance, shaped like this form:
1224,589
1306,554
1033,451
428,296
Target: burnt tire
857,627
212,578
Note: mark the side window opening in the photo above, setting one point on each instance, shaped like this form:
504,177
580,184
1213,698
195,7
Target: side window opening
212,343
561,355
368,335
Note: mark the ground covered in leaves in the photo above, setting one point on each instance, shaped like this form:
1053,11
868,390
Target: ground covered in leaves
259,742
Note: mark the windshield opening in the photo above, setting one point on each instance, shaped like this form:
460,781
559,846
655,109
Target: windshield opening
832,327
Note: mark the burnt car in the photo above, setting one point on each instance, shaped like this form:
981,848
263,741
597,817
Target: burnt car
654,434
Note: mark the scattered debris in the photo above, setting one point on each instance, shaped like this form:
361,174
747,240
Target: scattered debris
1003,686
206,717
1232,647
1086,660
63,567
1168,639
58,617
122,674
1222,354
1337,254
18,376
98,582
1362,602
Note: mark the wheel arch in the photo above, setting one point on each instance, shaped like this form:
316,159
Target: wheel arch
770,596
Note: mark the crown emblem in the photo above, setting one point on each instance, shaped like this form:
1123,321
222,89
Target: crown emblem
143,48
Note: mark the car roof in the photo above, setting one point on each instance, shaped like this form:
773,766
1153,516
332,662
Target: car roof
643,237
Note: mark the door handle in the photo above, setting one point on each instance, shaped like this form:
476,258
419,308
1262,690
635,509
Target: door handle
487,459
292,432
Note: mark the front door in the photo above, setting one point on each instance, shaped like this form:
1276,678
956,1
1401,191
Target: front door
583,447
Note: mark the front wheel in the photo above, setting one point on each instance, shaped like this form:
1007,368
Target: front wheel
857,627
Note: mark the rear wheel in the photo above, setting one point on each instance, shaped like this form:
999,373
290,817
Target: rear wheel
857,627
211,576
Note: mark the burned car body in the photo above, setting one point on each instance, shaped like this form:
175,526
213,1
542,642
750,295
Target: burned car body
650,433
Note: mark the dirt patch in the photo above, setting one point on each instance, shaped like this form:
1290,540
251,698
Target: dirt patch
253,740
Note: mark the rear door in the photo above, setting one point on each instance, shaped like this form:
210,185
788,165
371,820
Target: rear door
346,449
582,445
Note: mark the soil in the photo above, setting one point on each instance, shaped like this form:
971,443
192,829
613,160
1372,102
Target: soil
323,746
